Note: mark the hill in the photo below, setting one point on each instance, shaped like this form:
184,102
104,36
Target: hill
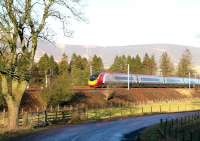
108,53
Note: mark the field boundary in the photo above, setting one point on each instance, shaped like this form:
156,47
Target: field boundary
82,113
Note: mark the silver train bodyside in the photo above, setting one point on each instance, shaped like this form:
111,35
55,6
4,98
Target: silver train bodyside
138,80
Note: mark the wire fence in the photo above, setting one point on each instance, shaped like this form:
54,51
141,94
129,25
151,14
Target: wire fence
180,129
79,113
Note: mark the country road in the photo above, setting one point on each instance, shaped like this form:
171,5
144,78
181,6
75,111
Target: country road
100,131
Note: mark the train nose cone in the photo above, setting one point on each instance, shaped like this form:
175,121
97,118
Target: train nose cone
92,83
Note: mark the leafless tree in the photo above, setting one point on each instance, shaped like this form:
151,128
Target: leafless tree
22,24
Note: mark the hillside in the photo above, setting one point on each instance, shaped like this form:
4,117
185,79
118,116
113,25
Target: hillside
108,53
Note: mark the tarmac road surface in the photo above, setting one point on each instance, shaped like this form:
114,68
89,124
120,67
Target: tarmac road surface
100,131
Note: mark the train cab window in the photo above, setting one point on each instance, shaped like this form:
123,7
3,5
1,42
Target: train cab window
93,77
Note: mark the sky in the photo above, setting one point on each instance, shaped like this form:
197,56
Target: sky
131,22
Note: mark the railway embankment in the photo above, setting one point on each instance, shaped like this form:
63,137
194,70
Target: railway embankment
90,97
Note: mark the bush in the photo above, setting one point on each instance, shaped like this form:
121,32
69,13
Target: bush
59,90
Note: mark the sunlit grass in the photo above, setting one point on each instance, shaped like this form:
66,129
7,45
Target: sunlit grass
101,113
149,108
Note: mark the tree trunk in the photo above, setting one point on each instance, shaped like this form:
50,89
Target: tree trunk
13,118
13,99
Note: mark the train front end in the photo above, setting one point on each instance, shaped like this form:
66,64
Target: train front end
96,80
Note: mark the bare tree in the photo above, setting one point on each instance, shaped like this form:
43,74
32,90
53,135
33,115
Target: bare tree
22,24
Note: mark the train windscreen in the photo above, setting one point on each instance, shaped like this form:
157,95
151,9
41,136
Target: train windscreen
93,77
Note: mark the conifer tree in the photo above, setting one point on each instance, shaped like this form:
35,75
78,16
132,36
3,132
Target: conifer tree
97,64
166,66
75,69
152,65
185,64
120,64
53,67
37,77
123,61
43,64
85,72
130,61
79,70
63,64
146,64
137,65
115,66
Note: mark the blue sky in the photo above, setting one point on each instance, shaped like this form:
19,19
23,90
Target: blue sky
126,22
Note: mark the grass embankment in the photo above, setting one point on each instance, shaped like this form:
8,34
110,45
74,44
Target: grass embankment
181,129
9,135
12,135
144,134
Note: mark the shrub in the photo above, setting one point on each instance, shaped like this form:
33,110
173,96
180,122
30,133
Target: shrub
58,91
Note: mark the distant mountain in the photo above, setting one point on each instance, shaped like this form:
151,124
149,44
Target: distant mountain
108,53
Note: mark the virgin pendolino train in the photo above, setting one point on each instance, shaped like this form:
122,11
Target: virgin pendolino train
105,79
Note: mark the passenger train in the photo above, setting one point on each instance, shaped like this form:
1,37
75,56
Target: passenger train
105,79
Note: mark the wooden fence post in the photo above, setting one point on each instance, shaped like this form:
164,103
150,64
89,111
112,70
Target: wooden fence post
121,110
51,108
63,115
183,136
198,137
161,122
110,113
160,109
38,118
25,119
58,108
142,110
56,115
4,117
130,110
86,112
45,117
190,136
176,133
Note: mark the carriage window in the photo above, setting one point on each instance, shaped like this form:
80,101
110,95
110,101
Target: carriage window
173,80
123,78
150,79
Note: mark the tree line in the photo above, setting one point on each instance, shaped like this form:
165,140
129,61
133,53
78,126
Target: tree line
148,65
79,68
58,78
